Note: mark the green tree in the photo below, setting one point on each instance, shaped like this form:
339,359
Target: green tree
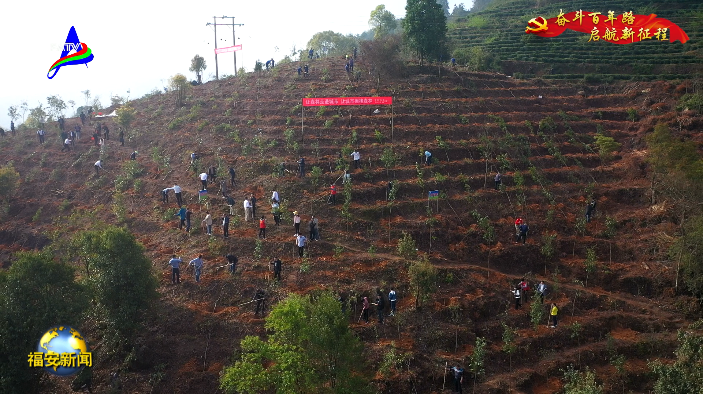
35,293
310,350
9,180
580,383
119,276
125,116
425,28
383,56
198,65
37,117
56,106
389,158
509,345
476,363
329,43
687,251
536,311
179,84
406,247
445,7
606,146
685,374
13,113
591,263
423,278
382,21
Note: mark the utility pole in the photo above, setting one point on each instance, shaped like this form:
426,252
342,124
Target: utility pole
214,19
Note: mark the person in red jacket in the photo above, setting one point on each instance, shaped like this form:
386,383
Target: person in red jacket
333,194
262,228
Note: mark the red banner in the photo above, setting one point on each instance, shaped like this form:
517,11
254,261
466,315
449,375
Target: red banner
316,102
622,29
228,49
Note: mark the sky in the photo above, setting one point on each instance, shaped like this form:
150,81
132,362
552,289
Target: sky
139,45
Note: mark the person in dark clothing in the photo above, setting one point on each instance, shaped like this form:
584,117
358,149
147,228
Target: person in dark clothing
277,269
164,195
524,228
365,309
232,261
106,132
590,210
61,123
380,306
458,378
252,201
133,156
82,119
305,70
300,70
63,135
231,175
310,54
354,53
96,138
517,296
189,213
301,167
121,137
12,128
313,228
259,298
498,180
225,225
212,173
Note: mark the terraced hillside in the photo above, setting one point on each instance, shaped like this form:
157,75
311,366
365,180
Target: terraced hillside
617,312
570,55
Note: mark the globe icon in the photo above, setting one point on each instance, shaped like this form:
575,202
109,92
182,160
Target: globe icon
62,347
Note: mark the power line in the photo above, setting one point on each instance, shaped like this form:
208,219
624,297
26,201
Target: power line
234,40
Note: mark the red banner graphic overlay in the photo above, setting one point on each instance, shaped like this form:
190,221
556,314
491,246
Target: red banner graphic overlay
228,49
621,29
316,102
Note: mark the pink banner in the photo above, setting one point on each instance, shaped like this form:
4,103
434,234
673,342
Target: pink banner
316,102
228,49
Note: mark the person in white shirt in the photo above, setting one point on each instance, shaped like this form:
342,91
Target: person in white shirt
203,179
274,197
296,222
177,190
248,212
98,167
40,133
300,241
208,222
66,145
357,158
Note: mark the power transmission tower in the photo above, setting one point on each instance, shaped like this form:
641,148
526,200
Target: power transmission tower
214,20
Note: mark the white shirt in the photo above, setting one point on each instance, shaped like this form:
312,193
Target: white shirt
40,132
67,142
247,204
274,196
300,241
176,188
208,220
99,164
356,155
296,219
203,176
